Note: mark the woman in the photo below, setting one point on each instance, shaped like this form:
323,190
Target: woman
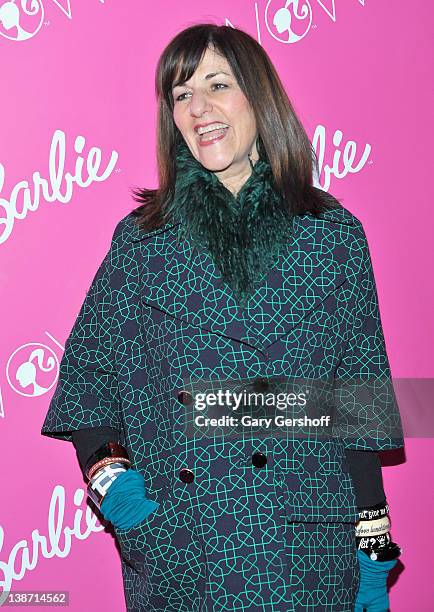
235,273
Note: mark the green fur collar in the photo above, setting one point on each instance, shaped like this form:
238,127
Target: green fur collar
243,233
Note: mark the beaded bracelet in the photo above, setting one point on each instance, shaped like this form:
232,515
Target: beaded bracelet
105,462
108,450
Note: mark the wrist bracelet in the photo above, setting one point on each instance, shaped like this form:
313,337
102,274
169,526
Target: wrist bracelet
374,512
105,462
108,449
374,527
380,552
373,533
102,481
368,544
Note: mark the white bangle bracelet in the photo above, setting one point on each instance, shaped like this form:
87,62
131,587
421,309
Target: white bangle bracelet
103,480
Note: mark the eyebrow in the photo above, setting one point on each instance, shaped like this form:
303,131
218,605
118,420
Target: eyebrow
208,76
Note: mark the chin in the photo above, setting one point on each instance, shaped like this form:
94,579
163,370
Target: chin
213,168
217,165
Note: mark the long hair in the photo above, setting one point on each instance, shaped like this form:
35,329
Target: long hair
280,133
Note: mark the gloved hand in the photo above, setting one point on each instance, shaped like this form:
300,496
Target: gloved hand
372,593
125,504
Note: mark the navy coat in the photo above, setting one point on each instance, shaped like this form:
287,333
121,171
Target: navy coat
244,522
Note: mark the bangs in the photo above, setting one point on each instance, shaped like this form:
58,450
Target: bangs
181,64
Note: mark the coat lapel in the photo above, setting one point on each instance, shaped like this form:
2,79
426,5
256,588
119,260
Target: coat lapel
183,282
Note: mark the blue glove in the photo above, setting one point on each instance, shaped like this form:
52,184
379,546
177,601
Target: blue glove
125,504
372,593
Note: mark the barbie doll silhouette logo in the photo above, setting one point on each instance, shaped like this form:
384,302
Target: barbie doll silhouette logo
32,369
22,19
289,21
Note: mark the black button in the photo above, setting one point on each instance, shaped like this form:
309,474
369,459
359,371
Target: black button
259,459
185,397
261,384
186,475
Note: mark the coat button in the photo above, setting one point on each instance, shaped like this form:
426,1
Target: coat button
185,397
261,384
259,459
186,475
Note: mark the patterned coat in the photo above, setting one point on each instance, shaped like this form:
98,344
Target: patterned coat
231,533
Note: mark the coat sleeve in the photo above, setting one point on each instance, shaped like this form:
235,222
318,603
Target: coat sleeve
86,394
367,476
367,414
87,441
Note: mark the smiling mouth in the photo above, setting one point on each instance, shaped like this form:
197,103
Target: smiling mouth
212,134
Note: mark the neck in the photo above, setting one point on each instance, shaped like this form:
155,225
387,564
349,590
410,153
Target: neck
244,233
235,182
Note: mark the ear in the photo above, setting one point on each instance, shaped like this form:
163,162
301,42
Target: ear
254,151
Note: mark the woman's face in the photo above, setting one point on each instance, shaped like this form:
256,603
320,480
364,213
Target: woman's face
211,98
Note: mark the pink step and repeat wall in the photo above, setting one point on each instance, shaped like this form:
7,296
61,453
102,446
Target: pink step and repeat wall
78,132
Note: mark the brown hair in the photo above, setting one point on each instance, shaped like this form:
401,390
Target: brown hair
281,134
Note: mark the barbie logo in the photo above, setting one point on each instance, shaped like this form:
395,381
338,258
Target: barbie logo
21,20
59,185
24,555
344,159
32,369
291,22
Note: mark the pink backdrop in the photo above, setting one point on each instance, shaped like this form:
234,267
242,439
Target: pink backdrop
78,108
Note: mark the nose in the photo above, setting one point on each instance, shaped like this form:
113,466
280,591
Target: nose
199,103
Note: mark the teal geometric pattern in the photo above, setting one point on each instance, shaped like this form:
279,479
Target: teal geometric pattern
277,538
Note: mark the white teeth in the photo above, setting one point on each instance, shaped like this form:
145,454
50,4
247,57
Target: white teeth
209,128
212,135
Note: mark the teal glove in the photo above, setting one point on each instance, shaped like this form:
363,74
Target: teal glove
125,504
372,593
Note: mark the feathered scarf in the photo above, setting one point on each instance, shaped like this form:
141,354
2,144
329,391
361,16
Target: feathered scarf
242,233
